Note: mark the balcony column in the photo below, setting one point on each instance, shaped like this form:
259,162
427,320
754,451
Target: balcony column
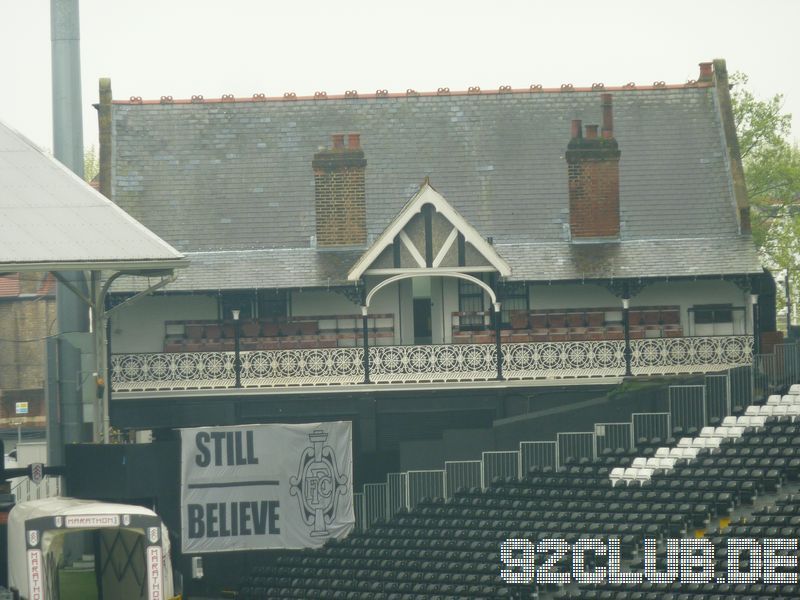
497,340
626,327
365,330
756,330
237,360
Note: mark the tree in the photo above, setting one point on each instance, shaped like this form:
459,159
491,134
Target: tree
772,172
91,163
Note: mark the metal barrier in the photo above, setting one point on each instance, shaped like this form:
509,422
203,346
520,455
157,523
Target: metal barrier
690,406
787,369
500,464
396,493
651,425
374,503
25,489
359,511
461,474
687,407
741,387
718,397
538,455
575,445
765,375
611,436
424,484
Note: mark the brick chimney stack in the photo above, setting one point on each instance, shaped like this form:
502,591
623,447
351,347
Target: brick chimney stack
339,193
593,173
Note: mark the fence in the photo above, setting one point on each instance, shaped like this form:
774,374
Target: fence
24,489
689,406
611,436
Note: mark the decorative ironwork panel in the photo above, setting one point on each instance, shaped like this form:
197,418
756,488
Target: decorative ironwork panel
546,360
322,366
500,464
687,408
690,354
537,455
374,502
461,474
648,426
611,436
575,445
443,362
396,493
424,484
261,368
172,370
718,397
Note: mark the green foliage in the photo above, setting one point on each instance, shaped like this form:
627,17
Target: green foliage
772,172
91,163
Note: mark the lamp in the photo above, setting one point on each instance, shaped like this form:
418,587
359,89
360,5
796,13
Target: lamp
236,312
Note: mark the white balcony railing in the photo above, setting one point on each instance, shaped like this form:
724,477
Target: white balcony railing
423,364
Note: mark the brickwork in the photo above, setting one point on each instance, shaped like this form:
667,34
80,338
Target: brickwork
594,198
340,195
24,322
593,173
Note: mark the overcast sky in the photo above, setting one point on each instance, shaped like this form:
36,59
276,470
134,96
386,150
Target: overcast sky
151,48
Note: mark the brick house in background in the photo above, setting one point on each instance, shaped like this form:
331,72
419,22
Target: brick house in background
474,245
27,316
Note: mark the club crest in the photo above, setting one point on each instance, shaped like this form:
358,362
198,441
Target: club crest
318,484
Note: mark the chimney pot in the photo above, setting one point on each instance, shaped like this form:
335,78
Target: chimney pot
354,141
608,116
591,132
338,140
576,132
706,71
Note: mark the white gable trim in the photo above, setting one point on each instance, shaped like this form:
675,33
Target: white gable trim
428,195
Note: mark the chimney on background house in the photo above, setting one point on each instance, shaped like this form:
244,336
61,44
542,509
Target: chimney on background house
339,192
593,172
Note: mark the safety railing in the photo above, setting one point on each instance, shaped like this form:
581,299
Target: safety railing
429,363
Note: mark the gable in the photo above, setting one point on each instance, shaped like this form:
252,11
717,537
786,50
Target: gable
428,233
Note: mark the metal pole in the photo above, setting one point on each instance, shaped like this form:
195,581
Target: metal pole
365,331
72,314
756,332
498,341
788,305
237,361
626,326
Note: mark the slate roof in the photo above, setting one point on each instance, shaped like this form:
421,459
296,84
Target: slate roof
230,175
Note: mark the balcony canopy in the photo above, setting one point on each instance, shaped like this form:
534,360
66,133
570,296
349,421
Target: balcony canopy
50,219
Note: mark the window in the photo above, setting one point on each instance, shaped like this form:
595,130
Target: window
272,304
236,300
514,300
470,301
717,319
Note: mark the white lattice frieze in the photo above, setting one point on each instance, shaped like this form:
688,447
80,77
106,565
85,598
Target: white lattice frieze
428,363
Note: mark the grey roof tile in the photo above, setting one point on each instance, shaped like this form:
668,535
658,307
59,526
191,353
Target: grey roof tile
237,176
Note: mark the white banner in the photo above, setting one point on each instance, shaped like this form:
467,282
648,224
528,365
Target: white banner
257,487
